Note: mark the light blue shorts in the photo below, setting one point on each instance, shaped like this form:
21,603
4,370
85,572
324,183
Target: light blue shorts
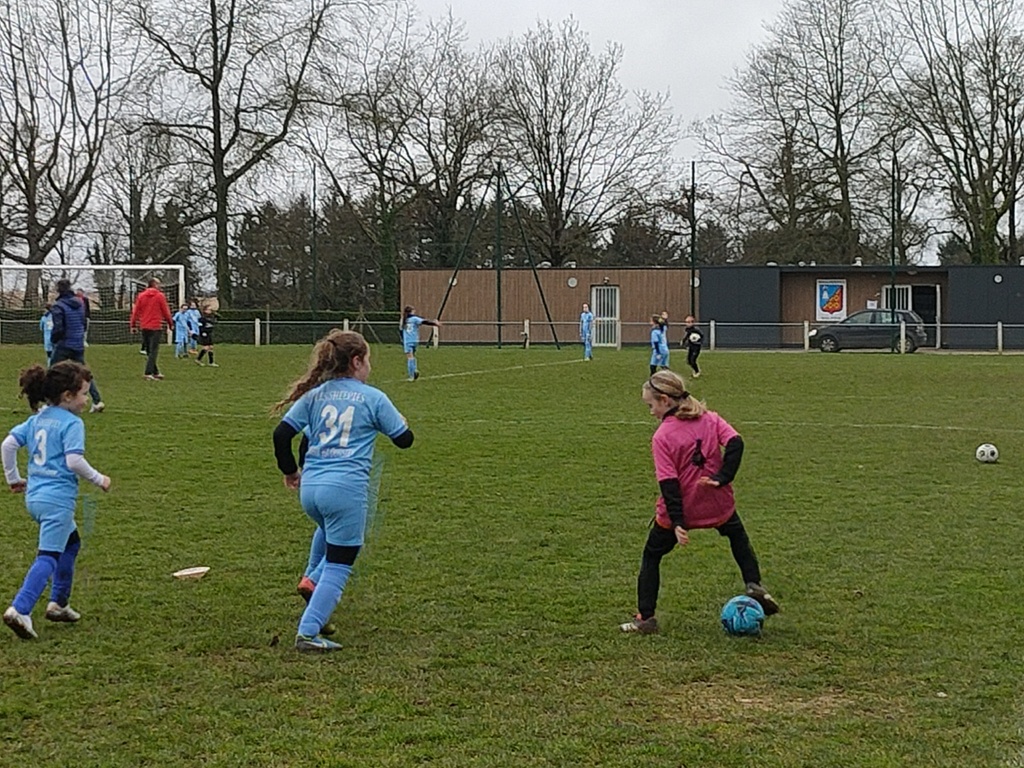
56,524
407,347
338,511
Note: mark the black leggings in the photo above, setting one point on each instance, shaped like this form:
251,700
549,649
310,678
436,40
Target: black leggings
691,357
660,542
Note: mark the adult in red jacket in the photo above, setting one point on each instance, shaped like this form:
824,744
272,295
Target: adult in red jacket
149,313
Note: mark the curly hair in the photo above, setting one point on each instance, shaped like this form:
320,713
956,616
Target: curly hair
48,385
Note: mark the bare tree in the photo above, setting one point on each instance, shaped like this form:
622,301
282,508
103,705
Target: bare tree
958,83
453,105
567,131
234,79
56,97
361,138
808,128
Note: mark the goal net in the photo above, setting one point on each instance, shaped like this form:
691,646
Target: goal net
110,291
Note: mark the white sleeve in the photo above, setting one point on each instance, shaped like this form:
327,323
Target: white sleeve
76,463
9,452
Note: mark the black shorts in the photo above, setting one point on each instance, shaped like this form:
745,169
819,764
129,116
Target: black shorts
205,341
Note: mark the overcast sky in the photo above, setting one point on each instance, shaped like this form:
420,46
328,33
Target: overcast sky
684,47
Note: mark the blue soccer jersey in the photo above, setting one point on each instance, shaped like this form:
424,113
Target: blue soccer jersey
411,330
50,435
343,417
586,324
46,326
182,326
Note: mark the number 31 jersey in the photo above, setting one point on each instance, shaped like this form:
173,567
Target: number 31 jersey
342,418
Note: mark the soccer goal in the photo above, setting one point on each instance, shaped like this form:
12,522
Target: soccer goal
25,290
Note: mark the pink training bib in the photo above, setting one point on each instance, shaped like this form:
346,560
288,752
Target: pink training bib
688,450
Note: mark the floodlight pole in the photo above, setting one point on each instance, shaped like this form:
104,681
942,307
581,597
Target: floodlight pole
893,213
693,237
498,256
312,247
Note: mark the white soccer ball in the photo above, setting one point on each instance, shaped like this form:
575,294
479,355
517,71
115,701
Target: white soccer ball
987,453
695,338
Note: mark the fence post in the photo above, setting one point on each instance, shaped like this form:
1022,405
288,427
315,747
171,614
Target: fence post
999,337
711,335
344,324
436,335
526,333
807,335
618,335
256,330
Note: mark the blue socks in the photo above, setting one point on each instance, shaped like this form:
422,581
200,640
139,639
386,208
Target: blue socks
325,598
35,582
61,592
411,367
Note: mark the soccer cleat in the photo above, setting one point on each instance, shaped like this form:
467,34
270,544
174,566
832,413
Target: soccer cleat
415,375
766,601
64,613
315,644
641,626
97,407
158,376
143,352
20,624
149,377
214,365
199,362
696,375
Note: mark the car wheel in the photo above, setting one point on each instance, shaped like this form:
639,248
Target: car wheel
828,344
910,346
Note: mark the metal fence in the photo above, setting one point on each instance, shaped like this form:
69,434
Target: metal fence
990,337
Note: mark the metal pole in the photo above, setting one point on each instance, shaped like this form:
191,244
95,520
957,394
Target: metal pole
498,255
693,237
312,248
892,237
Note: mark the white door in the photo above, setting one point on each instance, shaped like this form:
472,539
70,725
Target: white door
604,301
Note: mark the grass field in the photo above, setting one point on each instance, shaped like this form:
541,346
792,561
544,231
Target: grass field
480,628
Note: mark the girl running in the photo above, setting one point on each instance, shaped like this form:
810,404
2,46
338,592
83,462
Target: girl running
343,415
55,438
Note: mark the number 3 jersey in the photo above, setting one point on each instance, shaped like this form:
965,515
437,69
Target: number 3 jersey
49,436
342,418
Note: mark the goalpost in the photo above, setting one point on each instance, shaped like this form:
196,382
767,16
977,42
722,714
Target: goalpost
26,289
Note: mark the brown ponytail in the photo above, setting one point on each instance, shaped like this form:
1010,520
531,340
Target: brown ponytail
331,359
671,385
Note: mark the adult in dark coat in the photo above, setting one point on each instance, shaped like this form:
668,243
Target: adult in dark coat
68,335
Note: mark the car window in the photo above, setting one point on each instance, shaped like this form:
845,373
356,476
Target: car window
860,318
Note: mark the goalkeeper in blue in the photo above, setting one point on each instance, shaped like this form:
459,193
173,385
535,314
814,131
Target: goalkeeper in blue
182,331
587,332
55,438
343,415
411,323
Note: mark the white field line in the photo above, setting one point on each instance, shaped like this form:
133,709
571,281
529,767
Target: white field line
267,416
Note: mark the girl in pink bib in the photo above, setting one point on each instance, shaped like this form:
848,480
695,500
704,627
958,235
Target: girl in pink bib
695,476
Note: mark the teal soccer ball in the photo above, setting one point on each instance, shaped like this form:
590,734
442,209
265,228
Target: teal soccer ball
742,616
